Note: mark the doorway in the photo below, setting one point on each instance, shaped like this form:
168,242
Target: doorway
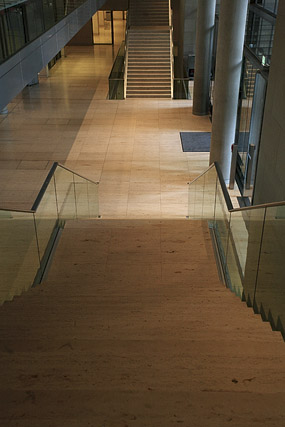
109,27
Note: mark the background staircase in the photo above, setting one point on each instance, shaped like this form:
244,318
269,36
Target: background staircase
149,50
149,13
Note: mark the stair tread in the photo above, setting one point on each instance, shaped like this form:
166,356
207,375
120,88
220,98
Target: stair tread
149,52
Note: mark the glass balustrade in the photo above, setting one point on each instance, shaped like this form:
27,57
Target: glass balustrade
250,243
270,282
19,257
182,88
27,237
23,21
116,77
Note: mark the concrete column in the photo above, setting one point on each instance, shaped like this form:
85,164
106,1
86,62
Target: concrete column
227,80
204,40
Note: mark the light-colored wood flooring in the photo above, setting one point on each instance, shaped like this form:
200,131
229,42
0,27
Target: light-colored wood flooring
133,327
132,147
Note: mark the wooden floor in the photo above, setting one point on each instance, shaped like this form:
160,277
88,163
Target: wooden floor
134,328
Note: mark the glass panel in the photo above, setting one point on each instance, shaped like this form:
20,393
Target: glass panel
21,23
46,221
65,194
116,78
35,24
270,295
116,88
81,197
19,258
243,251
48,13
13,29
201,196
211,180
254,220
181,88
118,66
60,9
86,194
251,246
93,199
221,224
235,254
196,192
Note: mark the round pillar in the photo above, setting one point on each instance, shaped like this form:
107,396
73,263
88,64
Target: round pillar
203,59
232,24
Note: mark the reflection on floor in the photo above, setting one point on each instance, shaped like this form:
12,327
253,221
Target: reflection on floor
133,147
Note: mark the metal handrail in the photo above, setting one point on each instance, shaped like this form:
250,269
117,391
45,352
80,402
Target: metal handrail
224,188
17,210
203,173
44,187
77,174
227,196
261,206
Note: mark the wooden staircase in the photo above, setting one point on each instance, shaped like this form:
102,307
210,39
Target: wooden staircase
149,50
132,325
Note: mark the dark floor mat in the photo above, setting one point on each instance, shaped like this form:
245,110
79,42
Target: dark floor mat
195,141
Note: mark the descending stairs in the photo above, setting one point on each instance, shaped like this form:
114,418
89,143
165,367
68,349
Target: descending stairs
131,325
149,50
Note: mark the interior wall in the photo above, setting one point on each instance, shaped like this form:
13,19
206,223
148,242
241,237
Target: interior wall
115,5
84,37
270,177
